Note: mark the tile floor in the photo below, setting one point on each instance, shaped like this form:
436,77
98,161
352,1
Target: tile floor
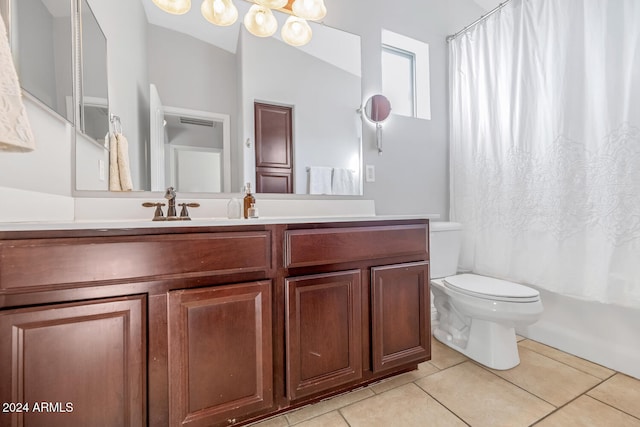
548,388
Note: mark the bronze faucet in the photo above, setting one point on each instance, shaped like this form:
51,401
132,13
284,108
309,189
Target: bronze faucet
170,195
172,215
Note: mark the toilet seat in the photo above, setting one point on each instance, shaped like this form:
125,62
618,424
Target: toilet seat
491,289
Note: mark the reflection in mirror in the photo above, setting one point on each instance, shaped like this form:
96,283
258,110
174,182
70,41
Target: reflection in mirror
190,150
200,67
377,110
42,45
94,108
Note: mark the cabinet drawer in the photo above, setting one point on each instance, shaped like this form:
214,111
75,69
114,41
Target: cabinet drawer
73,261
335,245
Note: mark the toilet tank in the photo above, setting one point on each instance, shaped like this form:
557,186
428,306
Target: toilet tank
444,248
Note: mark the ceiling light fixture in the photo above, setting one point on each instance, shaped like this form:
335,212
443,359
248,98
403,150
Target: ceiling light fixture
260,20
175,7
219,12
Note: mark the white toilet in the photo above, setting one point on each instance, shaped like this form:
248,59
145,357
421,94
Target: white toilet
476,315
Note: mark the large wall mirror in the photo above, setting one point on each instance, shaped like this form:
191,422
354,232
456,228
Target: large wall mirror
186,93
41,36
206,81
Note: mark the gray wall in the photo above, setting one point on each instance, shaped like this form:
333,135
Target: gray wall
194,75
412,173
124,23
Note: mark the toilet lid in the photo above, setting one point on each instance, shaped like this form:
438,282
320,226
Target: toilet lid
490,288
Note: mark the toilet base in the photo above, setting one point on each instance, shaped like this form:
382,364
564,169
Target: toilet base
490,344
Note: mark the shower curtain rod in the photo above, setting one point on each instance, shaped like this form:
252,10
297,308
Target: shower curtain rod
477,21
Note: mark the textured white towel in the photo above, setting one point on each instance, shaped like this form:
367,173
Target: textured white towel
123,163
119,169
114,172
320,180
344,182
15,131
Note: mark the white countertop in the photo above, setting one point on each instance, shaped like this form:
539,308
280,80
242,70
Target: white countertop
195,222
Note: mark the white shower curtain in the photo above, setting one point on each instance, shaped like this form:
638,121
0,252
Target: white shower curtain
545,146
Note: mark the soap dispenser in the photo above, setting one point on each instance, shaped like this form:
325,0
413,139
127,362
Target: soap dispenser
253,211
248,200
234,209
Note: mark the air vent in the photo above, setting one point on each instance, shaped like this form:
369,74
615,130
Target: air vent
197,122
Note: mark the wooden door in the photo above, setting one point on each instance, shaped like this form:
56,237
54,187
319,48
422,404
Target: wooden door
80,364
400,312
323,332
274,148
220,354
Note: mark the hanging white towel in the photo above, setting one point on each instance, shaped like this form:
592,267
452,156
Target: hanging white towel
119,169
123,163
320,180
344,182
114,172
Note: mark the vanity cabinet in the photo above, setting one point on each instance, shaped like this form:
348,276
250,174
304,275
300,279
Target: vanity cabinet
207,325
357,304
80,364
220,353
323,332
400,302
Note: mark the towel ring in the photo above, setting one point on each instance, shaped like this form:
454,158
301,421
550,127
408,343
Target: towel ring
115,121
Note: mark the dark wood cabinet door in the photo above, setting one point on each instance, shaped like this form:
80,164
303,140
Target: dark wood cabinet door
80,364
323,332
274,148
400,307
220,354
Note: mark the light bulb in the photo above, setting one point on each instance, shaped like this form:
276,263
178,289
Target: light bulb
272,4
260,21
313,10
219,12
296,31
175,7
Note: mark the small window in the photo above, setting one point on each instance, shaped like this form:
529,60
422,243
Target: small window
398,79
405,75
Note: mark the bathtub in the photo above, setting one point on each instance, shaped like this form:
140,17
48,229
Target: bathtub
605,334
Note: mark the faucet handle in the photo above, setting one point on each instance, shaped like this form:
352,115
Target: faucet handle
157,215
184,214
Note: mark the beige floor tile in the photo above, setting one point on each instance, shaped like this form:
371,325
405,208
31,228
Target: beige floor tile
569,359
548,379
406,406
520,338
423,370
332,419
328,405
443,357
279,421
481,398
586,411
620,391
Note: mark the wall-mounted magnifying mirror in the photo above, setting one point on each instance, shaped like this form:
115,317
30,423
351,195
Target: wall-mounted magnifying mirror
377,110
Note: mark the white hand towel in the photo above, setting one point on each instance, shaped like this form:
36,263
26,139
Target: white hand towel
123,163
344,182
320,180
119,169
114,171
